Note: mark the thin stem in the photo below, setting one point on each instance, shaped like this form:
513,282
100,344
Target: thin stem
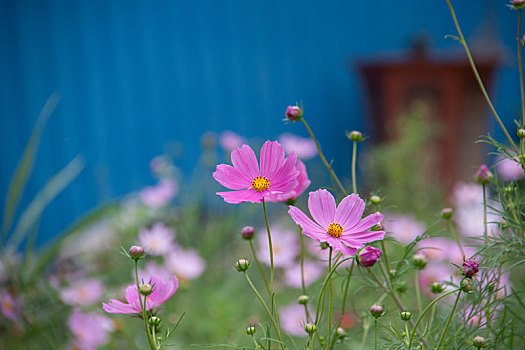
485,211
478,78
385,256
521,72
448,322
269,244
330,304
453,231
323,289
303,285
365,334
432,303
354,159
321,155
261,270
277,330
375,333
343,306
143,308
418,292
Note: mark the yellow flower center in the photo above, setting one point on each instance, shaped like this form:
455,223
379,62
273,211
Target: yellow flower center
260,183
335,230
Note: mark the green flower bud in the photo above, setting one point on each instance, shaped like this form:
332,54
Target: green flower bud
420,261
405,315
340,332
437,288
146,289
310,328
375,200
479,342
250,329
376,310
242,265
466,285
521,133
446,213
355,136
154,321
324,245
303,299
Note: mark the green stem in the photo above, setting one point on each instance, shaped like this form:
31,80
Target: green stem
418,292
321,155
354,160
478,78
365,335
277,330
453,231
432,303
448,322
485,212
261,270
330,304
521,72
269,244
323,289
343,306
143,308
375,333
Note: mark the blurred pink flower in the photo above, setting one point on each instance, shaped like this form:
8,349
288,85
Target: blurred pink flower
312,272
303,147
162,291
404,228
341,226
159,165
276,175
186,264
230,140
90,329
152,269
444,250
509,169
434,272
11,306
285,245
293,319
302,184
159,195
466,194
157,240
83,292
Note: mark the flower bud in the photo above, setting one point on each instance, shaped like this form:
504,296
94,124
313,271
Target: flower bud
466,285
310,328
340,332
136,252
479,342
446,213
376,310
247,232
303,299
368,256
483,175
405,315
159,338
146,289
154,321
324,245
242,265
470,268
508,189
378,227
375,200
437,288
294,113
250,329
355,136
518,4
521,133
420,261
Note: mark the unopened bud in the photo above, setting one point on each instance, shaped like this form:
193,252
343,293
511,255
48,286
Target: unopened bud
508,189
521,133
242,265
479,342
159,338
294,113
310,328
483,174
437,288
340,332
324,245
250,329
466,285
136,252
154,321
470,268
368,256
446,213
355,136
303,299
375,200
420,261
376,310
518,4
405,315
247,232
146,289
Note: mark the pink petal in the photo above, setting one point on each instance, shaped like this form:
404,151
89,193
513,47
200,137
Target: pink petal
366,223
322,207
236,197
272,158
350,210
309,227
162,290
338,245
244,160
357,239
118,307
286,175
232,178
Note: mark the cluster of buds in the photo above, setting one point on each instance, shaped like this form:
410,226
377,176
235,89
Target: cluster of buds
368,256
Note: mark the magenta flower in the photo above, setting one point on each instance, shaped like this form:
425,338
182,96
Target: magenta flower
162,291
90,330
341,226
251,184
510,169
302,184
368,256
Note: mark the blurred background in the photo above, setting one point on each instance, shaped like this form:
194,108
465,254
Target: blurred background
137,79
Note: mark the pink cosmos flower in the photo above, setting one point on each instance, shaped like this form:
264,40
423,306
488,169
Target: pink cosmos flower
230,140
162,291
84,292
159,195
251,184
303,147
404,228
312,272
340,227
293,319
285,246
90,329
157,240
186,264
11,306
509,169
302,184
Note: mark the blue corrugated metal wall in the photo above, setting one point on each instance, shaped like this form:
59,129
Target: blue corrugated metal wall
134,75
